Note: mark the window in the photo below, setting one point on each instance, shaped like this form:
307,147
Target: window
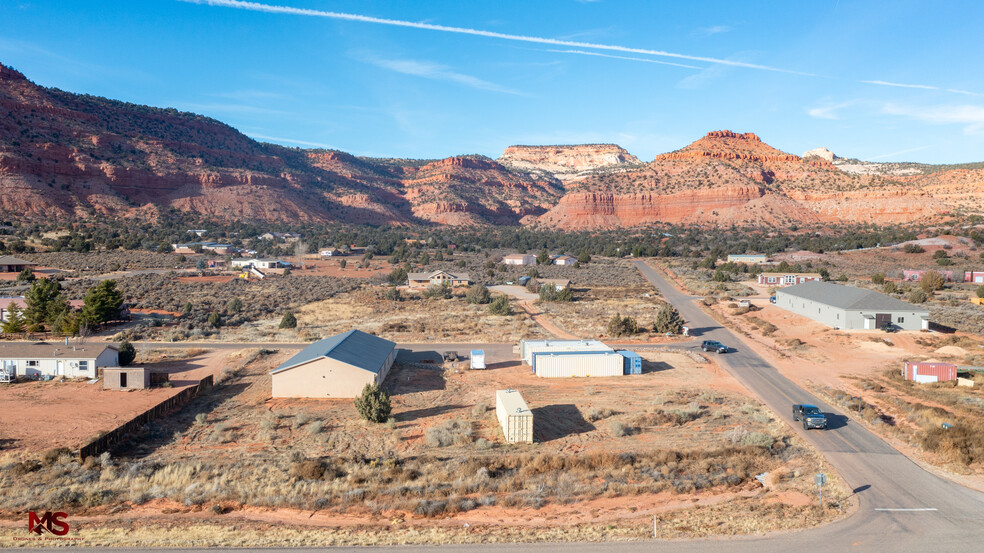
32,364
83,366
901,319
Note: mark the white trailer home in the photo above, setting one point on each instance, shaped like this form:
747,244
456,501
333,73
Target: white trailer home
44,359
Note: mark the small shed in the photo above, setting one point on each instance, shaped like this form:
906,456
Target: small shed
633,362
477,360
929,372
126,378
514,415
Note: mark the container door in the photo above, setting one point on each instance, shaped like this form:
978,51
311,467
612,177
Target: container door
882,319
59,368
979,279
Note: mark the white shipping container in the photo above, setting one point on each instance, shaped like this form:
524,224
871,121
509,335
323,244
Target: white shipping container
564,365
477,359
529,347
514,415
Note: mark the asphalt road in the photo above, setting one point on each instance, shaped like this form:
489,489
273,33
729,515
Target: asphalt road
901,506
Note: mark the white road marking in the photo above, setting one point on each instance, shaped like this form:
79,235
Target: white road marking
909,510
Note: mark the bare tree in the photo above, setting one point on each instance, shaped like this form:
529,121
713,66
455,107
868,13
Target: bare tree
84,332
300,249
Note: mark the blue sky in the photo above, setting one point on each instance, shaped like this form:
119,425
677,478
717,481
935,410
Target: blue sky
438,78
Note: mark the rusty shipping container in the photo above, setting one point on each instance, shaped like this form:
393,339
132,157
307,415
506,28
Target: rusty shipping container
943,372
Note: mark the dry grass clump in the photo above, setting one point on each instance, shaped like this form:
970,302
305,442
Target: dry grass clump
765,327
453,432
597,414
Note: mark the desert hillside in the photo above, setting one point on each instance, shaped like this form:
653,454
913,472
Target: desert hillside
77,156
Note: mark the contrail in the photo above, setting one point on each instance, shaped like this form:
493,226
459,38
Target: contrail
902,85
583,53
256,6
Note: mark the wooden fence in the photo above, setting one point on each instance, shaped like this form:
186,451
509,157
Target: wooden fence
106,441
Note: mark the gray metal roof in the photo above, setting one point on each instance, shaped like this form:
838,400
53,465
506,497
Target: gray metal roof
10,260
848,297
354,347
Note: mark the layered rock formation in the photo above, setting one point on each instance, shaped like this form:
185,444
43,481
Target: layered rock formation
68,156
567,163
822,153
732,178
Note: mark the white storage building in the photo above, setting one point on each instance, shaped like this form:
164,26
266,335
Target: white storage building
567,358
514,415
562,364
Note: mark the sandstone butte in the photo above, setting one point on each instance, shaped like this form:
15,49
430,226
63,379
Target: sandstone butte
80,156
567,162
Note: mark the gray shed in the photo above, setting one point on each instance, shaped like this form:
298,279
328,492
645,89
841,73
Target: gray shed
850,308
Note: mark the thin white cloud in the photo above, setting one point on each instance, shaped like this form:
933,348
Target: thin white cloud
600,55
437,72
713,30
970,115
256,6
290,141
900,152
828,111
902,85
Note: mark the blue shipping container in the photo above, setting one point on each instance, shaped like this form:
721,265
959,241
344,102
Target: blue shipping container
633,362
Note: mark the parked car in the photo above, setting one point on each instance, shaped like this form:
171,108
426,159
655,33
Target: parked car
450,356
810,415
714,345
772,299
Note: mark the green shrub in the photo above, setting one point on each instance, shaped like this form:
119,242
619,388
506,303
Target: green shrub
127,353
374,404
288,320
500,306
478,294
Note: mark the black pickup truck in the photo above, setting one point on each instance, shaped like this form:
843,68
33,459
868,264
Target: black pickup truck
810,415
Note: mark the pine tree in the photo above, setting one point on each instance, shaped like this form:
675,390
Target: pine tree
374,404
668,319
288,320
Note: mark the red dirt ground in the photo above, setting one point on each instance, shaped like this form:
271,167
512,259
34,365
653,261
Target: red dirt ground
41,415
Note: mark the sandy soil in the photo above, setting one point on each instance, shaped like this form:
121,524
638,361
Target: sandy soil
76,411
378,267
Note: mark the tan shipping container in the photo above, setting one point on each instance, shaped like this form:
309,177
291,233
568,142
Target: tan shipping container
569,364
514,415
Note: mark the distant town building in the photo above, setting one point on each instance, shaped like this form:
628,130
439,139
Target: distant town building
439,278
214,247
565,260
198,232
330,252
558,283
748,258
787,279
519,259
285,236
915,275
261,263
976,277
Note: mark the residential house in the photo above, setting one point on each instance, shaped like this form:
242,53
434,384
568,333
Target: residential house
261,264
565,260
787,279
214,247
10,264
558,283
849,308
44,359
748,258
21,304
330,252
977,277
519,259
915,275
335,367
285,236
423,280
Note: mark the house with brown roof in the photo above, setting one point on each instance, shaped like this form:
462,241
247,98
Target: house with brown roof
60,359
439,278
10,264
